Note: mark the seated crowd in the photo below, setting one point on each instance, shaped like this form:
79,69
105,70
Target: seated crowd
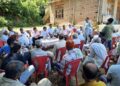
70,51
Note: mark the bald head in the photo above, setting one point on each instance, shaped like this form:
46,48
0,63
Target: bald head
96,40
90,70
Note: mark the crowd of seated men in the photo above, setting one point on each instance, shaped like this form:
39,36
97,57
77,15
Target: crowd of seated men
98,62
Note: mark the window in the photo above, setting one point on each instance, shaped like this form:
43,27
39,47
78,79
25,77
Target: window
59,13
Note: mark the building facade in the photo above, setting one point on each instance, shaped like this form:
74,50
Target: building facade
75,11
109,8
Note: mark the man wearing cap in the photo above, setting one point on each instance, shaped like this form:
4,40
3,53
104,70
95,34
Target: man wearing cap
71,54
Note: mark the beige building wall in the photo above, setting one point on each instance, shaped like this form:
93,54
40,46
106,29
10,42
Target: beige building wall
75,10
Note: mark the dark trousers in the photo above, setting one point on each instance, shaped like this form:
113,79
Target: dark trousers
108,44
34,39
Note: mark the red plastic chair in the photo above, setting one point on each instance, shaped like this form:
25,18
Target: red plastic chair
81,44
74,30
74,67
114,42
105,64
118,38
2,43
40,64
77,46
59,53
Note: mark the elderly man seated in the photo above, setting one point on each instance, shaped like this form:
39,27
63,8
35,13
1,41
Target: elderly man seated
13,71
98,52
90,74
71,54
76,39
38,50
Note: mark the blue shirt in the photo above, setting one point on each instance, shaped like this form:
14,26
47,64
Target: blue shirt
5,49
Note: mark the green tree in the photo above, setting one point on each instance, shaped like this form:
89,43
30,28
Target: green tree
23,12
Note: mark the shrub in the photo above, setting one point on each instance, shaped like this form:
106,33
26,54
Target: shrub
3,21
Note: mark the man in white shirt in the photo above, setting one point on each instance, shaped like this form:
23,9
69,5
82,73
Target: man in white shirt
88,30
65,31
22,32
50,30
23,40
98,52
36,35
70,27
76,39
80,34
57,30
44,33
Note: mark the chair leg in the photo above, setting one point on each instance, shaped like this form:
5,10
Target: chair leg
67,81
76,79
45,74
36,75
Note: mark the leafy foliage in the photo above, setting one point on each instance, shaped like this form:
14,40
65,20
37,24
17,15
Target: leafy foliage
23,12
3,21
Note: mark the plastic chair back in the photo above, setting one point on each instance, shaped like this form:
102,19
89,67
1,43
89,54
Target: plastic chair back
81,44
40,63
105,64
114,42
2,43
77,46
59,53
73,66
